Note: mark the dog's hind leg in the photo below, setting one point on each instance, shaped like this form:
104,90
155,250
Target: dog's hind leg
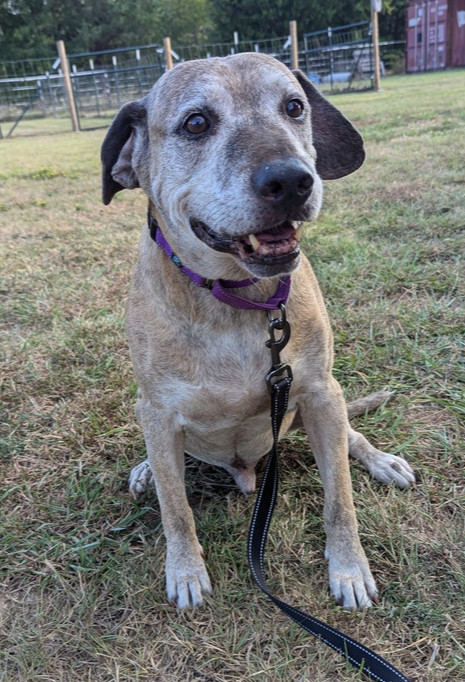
381,465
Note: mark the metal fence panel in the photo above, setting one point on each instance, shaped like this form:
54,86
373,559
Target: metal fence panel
342,57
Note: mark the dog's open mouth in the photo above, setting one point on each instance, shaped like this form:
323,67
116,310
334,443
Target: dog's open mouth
279,245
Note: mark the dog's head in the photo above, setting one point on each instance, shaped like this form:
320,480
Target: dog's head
231,151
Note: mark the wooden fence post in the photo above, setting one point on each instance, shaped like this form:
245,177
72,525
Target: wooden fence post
294,45
375,8
168,55
68,86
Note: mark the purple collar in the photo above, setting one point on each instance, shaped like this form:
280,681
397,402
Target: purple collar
220,288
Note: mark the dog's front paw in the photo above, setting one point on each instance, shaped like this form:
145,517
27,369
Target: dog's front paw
141,479
186,579
391,469
350,581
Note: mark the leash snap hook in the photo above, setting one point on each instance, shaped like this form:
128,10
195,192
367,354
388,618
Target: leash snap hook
278,370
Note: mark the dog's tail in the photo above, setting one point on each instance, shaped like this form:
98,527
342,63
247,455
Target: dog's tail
368,403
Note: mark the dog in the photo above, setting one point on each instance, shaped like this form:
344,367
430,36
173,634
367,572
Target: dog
231,153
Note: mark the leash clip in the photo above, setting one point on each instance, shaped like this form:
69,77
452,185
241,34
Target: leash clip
278,369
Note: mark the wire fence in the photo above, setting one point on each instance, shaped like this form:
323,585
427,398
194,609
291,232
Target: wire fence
341,55
102,81
32,91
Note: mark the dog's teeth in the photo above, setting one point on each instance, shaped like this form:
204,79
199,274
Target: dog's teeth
255,244
298,232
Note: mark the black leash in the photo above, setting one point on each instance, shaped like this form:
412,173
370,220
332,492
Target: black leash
279,380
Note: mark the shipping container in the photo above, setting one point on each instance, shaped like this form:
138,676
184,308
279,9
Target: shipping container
458,33
435,35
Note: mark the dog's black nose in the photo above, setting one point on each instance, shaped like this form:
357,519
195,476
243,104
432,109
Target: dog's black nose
284,183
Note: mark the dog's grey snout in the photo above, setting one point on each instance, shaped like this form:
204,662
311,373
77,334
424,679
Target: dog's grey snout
284,183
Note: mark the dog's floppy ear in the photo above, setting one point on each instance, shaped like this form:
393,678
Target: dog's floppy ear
339,147
118,148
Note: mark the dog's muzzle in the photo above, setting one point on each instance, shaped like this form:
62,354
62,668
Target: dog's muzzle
283,186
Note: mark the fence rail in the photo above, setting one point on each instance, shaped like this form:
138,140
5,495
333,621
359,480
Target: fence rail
336,58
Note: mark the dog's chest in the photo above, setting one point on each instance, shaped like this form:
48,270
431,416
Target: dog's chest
220,381
207,374
222,401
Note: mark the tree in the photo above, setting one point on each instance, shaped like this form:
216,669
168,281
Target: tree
253,20
187,22
30,28
392,20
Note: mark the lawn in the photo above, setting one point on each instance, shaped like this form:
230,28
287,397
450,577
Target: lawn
82,585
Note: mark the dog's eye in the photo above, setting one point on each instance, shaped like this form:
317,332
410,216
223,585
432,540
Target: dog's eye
294,108
196,124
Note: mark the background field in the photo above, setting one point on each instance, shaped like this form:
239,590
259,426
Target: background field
82,586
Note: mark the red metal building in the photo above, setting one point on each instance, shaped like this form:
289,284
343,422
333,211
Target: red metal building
435,34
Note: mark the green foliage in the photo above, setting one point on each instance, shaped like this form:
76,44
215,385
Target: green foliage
30,28
392,20
187,21
272,19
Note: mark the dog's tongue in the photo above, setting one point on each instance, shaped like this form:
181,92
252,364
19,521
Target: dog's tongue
271,244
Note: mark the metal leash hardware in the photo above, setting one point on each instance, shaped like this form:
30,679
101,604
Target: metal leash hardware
279,380
278,369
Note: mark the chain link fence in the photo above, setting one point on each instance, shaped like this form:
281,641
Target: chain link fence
32,91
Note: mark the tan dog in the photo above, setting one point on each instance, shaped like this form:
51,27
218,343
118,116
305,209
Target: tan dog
231,153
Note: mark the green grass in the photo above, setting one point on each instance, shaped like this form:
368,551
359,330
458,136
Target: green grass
82,586
50,126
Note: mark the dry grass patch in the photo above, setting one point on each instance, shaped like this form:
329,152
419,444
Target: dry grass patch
82,585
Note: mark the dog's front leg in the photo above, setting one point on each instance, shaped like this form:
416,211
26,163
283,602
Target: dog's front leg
350,579
186,574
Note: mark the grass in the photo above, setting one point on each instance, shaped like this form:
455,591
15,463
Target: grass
82,587
50,126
